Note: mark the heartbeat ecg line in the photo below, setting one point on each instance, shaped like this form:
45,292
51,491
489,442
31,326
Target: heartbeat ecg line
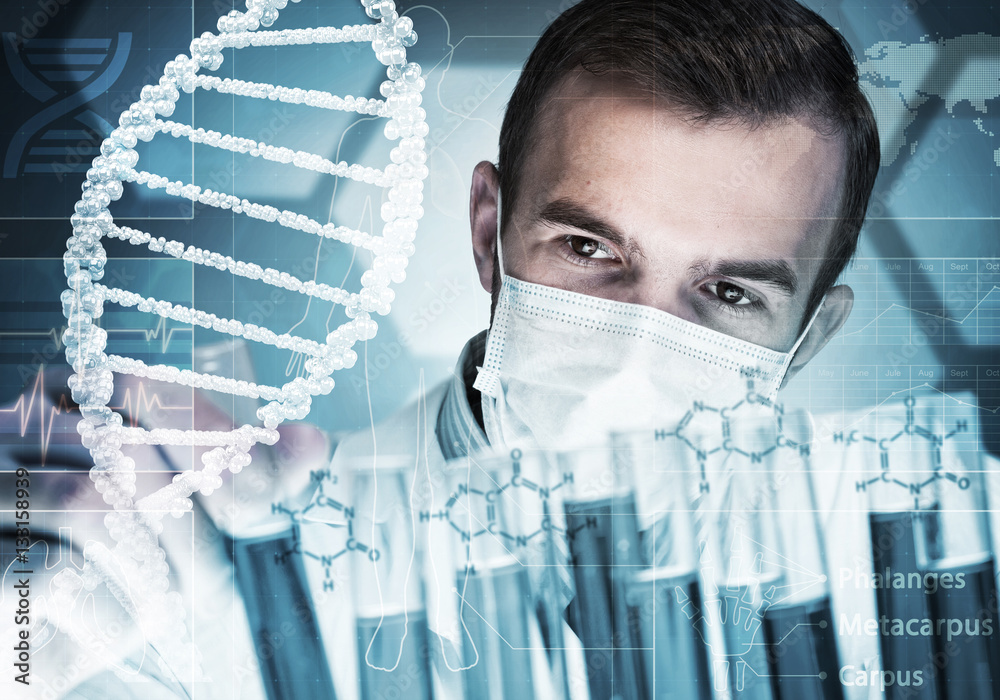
144,402
136,403
22,409
54,333
158,332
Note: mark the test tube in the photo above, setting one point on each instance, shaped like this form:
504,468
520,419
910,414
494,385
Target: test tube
799,631
933,563
768,560
265,541
270,575
393,643
503,652
665,592
603,537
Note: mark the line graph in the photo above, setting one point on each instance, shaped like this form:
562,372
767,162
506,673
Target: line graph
920,312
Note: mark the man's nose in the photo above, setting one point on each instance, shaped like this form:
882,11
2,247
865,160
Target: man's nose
667,293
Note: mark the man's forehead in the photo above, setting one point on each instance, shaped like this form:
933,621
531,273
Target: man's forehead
580,97
583,84
607,132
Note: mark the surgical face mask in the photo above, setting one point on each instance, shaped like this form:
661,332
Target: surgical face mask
563,370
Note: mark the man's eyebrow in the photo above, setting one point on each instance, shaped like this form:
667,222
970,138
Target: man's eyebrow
776,273
566,212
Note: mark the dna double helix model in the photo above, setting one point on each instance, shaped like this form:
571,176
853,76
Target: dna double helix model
135,569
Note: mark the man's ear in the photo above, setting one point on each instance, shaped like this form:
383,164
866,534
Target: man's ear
483,217
836,308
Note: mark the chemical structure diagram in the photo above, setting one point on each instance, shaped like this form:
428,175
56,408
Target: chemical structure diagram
935,441
706,431
321,478
464,495
754,429
704,423
489,498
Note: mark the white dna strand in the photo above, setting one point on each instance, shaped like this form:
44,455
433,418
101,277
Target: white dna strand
135,570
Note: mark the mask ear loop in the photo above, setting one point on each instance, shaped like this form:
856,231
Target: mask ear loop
488,377
499,229
802,336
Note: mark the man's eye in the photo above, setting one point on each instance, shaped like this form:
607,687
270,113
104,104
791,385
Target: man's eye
589,248
731,294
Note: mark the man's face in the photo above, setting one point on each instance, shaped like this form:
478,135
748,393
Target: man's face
718,224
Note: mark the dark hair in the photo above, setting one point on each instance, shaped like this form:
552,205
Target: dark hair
751,62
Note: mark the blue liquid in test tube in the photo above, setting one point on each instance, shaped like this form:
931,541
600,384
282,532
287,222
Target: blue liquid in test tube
272,581
604,548
497,646
394,656
672,634
394,649
802,651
